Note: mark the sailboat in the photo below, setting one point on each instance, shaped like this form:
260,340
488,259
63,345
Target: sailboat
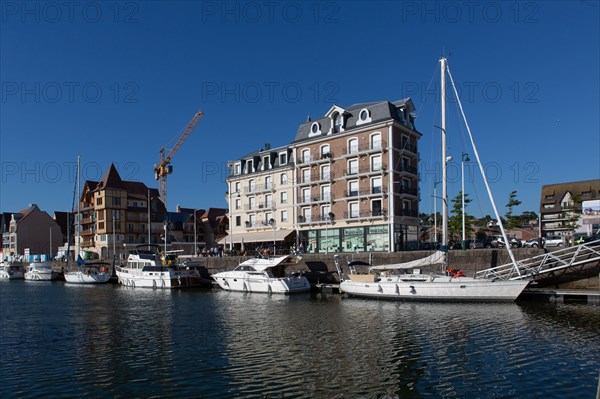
85,273
392,281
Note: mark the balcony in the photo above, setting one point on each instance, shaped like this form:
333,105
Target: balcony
321,158
408,190
380,214
407,147
407,169
259,188
364,150
365,171
372,192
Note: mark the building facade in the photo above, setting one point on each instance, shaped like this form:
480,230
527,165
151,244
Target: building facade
31,231
561,207
347,183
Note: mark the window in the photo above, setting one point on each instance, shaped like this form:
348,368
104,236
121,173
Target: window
269,201
406,208
268,217
337,122
252,220
353,146
99,201
251,186
283,178
238,220
325,193
237,186
353,210
306,214
376,208
282,158
306,195
375,163
306,175
376,185
315,129
249,166
353,188
364,116
376,141
324,172
283,196
238,203
284,216
305,155
324,151
237,168
325,210
116,201
251,202
268,182
266,165
353,166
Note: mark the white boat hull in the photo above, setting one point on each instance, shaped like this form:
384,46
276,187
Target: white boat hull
240,281
41,276
11,274
158,279
79,277
436,288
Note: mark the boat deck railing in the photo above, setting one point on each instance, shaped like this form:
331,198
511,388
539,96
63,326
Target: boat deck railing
561,259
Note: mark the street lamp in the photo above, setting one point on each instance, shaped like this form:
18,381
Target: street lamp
465,158
272,224
328,219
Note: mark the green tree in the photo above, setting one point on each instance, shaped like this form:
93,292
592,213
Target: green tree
455,221
572,212
512,221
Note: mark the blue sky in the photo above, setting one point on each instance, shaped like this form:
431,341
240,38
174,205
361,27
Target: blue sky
115,81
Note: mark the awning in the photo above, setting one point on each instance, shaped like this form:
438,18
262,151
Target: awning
259,236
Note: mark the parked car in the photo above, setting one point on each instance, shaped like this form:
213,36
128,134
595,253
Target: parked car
555,241
484,243
533,243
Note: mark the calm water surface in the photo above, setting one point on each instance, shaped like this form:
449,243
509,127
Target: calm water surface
58,340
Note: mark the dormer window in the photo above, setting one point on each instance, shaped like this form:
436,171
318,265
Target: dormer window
282,158
338,121
315,129
364,116
249,166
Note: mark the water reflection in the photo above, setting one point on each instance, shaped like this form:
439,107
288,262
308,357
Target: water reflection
121,342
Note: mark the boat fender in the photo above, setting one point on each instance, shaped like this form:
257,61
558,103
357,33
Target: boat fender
270,290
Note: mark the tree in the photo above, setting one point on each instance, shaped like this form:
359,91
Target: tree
572,212
512,221
455,221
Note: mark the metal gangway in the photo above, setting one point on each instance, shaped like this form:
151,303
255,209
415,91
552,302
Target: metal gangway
568,257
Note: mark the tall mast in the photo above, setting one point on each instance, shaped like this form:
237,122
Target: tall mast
444,161
78,210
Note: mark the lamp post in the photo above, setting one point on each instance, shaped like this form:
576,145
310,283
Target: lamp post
272,224
465,158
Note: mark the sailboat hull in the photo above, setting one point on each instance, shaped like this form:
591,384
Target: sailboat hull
79,277
436,288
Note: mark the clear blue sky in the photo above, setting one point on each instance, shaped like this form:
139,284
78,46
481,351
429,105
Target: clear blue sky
114,81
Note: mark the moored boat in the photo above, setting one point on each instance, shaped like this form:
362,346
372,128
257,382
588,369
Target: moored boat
255,275
148,269
11,271
40,271
88,273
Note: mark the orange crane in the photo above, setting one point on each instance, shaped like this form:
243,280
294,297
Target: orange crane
165,168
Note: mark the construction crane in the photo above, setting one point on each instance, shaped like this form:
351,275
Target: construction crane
165,168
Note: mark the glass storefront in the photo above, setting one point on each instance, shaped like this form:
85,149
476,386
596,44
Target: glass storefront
350,239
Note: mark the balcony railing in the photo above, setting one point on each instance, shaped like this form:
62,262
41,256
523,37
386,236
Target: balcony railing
259,188
365,214
373,169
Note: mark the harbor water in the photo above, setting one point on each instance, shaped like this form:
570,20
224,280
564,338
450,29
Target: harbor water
58,340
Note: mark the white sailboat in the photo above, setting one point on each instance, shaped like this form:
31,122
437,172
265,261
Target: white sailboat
255,275
85,274
391,281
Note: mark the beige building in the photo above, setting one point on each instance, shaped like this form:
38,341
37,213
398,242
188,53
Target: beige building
348,182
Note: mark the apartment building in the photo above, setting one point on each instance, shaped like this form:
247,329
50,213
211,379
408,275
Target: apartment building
30,231
348,182
560,207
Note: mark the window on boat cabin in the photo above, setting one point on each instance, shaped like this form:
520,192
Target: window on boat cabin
238,220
